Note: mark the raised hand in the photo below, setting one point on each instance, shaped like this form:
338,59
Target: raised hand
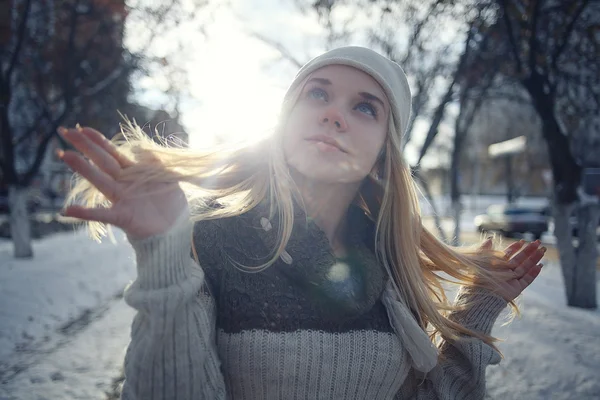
148,210
523,266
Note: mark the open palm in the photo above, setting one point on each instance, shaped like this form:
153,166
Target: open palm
523,266
149,210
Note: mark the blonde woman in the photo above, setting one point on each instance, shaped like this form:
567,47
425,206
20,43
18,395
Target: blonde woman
298,267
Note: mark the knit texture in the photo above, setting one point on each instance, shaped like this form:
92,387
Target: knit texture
214,332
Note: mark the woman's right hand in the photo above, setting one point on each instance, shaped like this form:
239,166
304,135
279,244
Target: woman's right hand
151,210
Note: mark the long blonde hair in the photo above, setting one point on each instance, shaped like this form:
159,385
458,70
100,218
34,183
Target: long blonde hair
239,178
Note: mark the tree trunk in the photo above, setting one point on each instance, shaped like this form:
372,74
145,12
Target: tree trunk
429,197
455,192
578,264
456,212
20,228
566,172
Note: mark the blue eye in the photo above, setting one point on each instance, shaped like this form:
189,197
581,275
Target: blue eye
367,108
317,93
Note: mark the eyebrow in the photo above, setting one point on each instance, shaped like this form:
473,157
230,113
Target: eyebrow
364,95
369,96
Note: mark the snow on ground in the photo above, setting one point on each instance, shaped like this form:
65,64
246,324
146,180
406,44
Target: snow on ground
82,369
69,276
552,352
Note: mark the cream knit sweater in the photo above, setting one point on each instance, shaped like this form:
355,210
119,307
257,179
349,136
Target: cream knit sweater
266,336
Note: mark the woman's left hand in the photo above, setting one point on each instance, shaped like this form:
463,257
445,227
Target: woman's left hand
524,263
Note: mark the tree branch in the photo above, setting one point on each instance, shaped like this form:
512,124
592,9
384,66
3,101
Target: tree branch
511,37
283,52
40,153
34,126
104,83
533,37
568,32
20,40
418,27
441,108
436,120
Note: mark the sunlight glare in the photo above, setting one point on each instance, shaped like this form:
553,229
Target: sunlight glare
239,100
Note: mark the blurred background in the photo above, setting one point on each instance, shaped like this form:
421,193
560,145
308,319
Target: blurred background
504,140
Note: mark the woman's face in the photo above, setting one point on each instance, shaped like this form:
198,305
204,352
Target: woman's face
337,129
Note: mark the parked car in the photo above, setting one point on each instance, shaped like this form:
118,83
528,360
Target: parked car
510,220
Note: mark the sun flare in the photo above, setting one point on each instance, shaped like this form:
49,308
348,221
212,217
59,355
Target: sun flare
240,95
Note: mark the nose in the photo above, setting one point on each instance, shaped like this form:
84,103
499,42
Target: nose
334,116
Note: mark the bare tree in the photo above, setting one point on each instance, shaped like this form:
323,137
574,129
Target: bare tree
58,59
553,52
476,74
550,47
471,98
429,38
62,63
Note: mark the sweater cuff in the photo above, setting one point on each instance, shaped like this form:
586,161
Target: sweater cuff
481,309
164,260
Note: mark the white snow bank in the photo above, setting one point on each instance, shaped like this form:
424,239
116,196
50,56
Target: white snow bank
83,370
553,351
68,275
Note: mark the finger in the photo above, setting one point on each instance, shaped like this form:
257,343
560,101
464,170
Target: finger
100,179
531,261
100,214
97,154
513,249
530,276
521,256
487,245
100,140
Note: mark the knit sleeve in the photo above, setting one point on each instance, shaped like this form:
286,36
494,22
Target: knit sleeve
172,353
460,373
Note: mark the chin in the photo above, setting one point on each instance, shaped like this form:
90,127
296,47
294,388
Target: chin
327,173
324,166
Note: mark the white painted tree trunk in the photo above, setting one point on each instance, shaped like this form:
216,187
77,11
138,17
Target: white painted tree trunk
20,228
578,263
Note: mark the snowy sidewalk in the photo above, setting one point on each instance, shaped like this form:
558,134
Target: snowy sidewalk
47,300
83,368
552,352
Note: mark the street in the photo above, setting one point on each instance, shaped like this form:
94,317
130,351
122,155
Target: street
83,366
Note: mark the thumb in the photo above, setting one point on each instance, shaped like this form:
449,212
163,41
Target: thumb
99,214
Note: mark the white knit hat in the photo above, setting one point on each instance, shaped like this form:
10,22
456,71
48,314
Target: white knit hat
387,73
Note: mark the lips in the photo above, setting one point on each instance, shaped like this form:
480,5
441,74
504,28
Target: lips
327,140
